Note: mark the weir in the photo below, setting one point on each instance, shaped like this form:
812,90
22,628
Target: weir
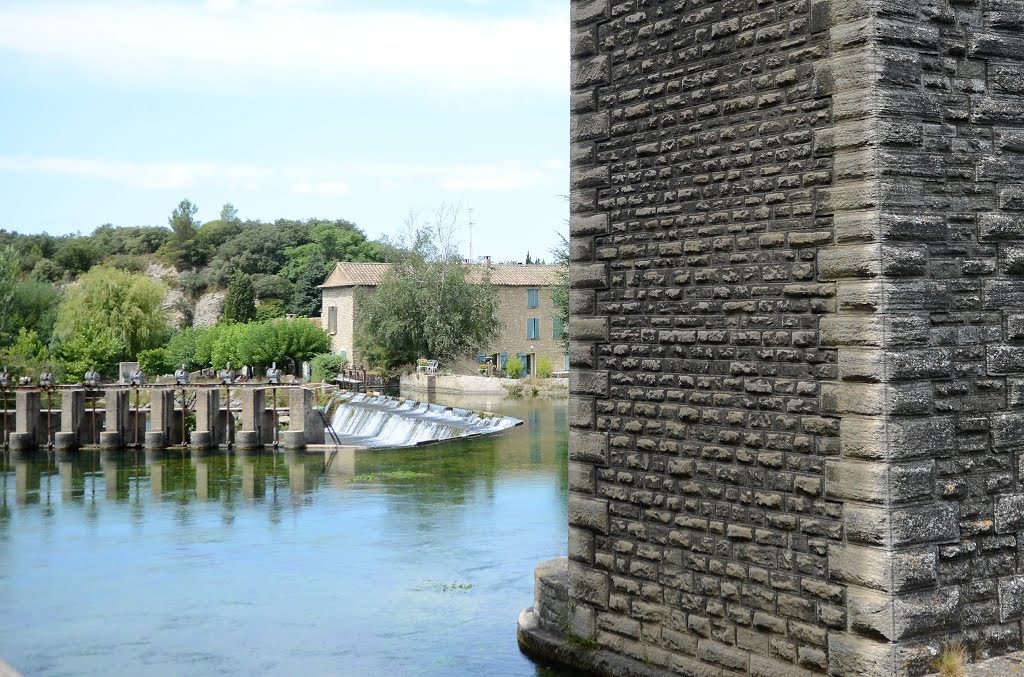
381,421
111,418
69,417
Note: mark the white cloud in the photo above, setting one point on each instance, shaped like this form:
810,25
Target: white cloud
233,43
322,179
159,175
322,188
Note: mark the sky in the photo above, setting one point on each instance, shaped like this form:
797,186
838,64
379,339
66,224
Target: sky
375,111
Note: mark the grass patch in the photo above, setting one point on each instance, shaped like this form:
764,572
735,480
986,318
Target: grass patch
952,662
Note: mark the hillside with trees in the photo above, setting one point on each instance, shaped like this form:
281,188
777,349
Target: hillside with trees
78,301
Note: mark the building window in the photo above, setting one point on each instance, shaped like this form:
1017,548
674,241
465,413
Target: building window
533,328
532,298
557,328
332,320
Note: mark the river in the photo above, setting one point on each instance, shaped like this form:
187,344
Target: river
387,562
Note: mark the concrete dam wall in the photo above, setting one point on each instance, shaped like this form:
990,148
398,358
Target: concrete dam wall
797,323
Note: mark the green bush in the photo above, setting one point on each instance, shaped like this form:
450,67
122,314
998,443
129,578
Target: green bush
128,263
156,362
544,368
513,367
269,310
325,367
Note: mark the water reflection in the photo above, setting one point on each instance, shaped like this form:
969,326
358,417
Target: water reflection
383,561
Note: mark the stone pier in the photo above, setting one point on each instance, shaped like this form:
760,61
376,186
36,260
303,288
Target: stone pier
209,430
164,421
117,424
305,426
797,337
72,420
254,431
26,420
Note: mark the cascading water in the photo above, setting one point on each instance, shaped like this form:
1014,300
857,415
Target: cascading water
380,421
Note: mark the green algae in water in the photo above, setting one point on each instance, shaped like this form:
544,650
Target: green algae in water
388,476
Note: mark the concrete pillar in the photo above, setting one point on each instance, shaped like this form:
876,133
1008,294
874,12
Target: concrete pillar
26,420
116,424
305,426
253,433
72,420
209,426
164,424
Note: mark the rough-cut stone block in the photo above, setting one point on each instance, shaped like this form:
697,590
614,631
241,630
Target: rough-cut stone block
883,570
588,447
587,585
1002,360
588,513
583,383
588,276
1011,599
589,329
853,656
1009,513
1007,431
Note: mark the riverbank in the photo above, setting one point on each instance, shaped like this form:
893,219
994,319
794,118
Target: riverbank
456,384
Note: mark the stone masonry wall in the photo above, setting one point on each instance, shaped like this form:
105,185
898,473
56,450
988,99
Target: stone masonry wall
797,348
928,142
699,531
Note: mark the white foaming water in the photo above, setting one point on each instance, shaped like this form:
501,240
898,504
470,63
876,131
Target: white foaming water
380,421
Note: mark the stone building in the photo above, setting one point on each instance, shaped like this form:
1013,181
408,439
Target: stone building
529,329
797,311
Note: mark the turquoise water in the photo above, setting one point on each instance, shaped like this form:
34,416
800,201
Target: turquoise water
388,562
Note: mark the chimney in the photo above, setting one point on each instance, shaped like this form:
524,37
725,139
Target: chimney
487,262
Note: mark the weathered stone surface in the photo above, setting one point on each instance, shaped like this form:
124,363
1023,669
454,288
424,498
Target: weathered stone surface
798,344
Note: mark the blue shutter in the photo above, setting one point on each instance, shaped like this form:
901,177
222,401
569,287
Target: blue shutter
522,360
532,298
532,328
501,361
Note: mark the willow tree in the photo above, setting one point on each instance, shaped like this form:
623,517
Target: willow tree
430,303
109,315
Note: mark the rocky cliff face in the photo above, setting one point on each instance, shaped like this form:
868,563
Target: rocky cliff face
206,311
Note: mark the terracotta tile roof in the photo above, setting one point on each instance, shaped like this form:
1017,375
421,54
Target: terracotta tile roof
356,275
502,275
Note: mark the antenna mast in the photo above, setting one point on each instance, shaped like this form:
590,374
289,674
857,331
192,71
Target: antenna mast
470,233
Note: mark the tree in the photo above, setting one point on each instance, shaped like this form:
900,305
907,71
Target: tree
426,306
307,297
108,316
8,288
184,248
228,212
240,302
183,221
560,290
